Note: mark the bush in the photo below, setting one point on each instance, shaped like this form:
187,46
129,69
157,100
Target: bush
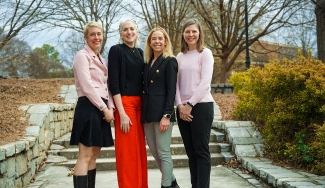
286,100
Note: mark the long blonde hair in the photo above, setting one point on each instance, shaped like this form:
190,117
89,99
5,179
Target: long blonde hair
148,52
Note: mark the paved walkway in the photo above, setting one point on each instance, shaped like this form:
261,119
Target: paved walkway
221,177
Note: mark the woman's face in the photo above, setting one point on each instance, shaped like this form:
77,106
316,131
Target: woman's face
94,38
191,34
157,41
129,33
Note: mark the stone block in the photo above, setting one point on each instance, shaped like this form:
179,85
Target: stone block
246,123
57,130
42,147
30,155
52,126
20,146
3,167
71,95
26,178
2,153
41,136
64,88
46,123
236,132
55,159
302,185
37,119
32,131
11,167
39,109
259,148
56,147
32,166
31,141
256,166
55,116
278,173
21,164
245,141
7,182
244,151
231,124
71,101
50,136
18,183
35,150
9,149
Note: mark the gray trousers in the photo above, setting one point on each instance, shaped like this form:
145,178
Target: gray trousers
159,145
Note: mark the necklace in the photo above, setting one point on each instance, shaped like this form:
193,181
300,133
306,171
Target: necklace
132,49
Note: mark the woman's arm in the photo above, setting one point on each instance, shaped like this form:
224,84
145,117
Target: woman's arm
124,118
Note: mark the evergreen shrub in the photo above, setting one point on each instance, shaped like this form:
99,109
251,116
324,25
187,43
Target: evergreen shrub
286,101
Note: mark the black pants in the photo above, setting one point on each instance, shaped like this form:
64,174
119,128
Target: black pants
196,137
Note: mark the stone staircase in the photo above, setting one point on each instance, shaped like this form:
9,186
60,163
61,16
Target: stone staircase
220,152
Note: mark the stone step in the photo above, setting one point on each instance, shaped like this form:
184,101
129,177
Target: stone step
176,138
106,164
176,149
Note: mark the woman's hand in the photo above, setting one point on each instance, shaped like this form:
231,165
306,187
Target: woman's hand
108,115
185,112
164,124
125,122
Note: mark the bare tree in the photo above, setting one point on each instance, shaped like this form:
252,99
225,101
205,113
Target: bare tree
225,21
166,14
13,58
20,16
74,14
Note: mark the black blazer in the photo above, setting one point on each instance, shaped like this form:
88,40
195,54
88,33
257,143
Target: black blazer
159,89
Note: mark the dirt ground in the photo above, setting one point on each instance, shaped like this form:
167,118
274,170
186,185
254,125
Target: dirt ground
17,92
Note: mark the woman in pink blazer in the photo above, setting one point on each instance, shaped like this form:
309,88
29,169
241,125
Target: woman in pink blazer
94,110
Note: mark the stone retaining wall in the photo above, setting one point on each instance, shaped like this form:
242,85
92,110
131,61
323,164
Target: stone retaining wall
222,88
20,160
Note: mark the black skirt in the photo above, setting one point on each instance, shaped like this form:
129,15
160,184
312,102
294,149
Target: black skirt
89,127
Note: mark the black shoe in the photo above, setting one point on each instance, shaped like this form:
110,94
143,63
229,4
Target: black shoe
91,178
174,184
80,181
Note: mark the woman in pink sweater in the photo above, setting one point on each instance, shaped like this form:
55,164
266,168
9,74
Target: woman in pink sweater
195,102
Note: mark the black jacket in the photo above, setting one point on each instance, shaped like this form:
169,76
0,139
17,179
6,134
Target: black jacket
159,89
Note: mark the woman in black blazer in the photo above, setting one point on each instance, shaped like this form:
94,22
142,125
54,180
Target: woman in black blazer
159,89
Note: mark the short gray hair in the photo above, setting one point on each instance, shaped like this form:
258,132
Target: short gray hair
137,40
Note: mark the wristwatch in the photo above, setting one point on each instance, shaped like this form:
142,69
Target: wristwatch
190,104
167,116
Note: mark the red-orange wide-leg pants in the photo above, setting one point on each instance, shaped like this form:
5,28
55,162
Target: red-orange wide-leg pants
130,148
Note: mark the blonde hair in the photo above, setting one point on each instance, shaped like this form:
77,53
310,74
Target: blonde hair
92,24
148,52
200,42
120,28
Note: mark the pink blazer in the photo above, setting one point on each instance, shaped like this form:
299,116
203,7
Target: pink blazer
91,76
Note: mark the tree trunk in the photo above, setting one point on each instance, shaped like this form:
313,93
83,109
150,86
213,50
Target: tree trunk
320,17
223,73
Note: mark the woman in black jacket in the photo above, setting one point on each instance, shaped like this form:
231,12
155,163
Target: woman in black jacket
159,89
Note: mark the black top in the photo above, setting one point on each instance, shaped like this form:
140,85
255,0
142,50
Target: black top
125,67
159,89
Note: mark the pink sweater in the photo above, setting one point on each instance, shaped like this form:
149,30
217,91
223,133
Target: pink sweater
194,77
91,78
